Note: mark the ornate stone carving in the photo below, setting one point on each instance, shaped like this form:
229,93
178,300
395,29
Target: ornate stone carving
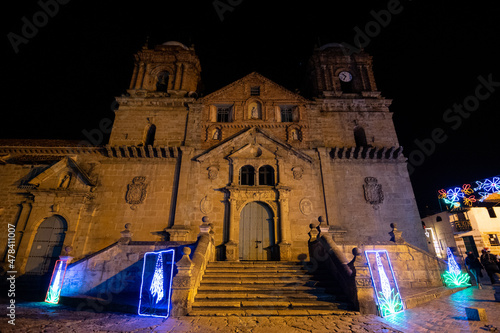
306,206
136,191
373,191
206,205
363,282
213,172
297,173
65,181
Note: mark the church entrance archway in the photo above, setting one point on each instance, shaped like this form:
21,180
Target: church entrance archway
47,246
257,235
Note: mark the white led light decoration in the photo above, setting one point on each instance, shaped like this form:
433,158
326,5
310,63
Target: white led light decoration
156,284
388,297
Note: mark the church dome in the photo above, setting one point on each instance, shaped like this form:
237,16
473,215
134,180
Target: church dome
174,43
331,45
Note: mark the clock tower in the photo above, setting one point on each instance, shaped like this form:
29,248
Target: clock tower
334,73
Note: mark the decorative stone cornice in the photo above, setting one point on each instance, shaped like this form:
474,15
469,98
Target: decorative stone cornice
153,99
19,153
354,104
162,152
367,153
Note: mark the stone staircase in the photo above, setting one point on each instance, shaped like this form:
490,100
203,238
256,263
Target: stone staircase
266,288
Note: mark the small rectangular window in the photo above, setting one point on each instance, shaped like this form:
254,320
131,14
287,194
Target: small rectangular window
286,114
255,91
223,114
491,212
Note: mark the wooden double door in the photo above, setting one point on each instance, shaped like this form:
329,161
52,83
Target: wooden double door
257,232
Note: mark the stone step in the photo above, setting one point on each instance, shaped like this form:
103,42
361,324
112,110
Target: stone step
263,288
268,283
266,288
257,303
224,312
229,270
264,296
254,279
256,264
251,274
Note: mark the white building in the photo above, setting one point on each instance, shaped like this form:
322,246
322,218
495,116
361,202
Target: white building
468,229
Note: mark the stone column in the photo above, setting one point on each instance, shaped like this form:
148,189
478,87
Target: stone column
181,228
178,76
184,82
232,245
22,221
140,76
285,241
134,76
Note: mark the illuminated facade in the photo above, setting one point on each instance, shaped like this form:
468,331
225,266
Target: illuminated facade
262,162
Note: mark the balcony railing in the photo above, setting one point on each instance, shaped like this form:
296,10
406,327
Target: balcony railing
463,225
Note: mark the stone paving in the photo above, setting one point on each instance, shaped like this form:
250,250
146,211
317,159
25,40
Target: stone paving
446,314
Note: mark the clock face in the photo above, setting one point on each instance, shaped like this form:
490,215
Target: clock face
345,76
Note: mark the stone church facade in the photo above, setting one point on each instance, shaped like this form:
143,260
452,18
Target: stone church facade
257,162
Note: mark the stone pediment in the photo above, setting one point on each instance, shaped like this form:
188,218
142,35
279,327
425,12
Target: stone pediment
268,90
65,174
251,151
252,143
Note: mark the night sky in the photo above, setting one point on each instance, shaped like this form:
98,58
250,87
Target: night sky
64,77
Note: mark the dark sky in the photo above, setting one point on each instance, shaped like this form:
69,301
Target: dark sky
427,58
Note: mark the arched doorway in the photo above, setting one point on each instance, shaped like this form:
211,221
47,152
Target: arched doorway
47,246
257,236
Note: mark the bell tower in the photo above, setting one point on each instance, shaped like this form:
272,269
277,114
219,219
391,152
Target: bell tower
153,112
334,73
171,67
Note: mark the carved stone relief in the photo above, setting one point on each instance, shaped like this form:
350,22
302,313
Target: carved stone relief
136,191
206,205
373,191
213,172
297,173
305,206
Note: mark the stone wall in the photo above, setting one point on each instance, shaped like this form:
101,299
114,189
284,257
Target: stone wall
112,275
413,267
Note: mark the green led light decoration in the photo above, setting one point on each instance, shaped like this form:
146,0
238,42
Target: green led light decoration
454,276
388,297
56,282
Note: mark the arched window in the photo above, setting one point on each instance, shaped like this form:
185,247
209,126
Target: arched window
162,84
360,137
438,219
266,175
247,175
150,135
